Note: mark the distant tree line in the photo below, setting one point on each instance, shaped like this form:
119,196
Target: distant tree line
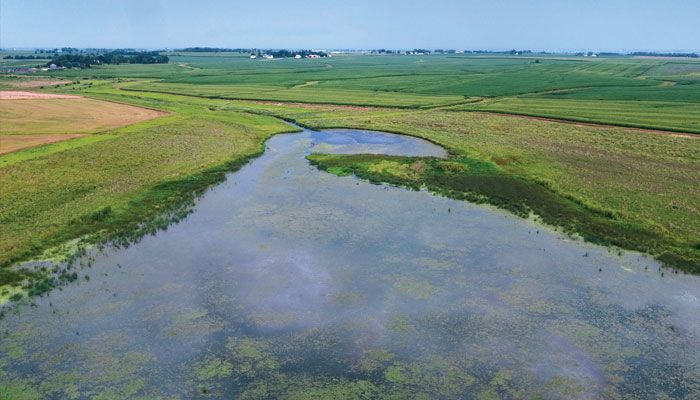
653,54
113,57
25,57
62,49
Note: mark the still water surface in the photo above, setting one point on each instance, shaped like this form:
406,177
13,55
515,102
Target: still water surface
290,282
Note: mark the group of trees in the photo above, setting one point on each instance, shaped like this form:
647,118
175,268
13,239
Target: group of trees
25,57
57,50
653,54
113,57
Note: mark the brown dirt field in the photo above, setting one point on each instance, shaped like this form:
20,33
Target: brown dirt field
68,115
10,143
21,95
36,82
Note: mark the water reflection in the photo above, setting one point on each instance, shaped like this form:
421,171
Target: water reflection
290,282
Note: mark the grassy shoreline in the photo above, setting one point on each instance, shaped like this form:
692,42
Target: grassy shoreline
152,210
482,183
51,198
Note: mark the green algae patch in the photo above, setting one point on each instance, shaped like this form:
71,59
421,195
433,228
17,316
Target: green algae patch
361,389
196,322
348,298
415,288
213,368
252,357
401,323
376,359
18,389
437,377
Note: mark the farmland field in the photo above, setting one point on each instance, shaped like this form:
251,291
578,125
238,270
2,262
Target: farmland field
642,93
32,119
67,115
539,214
673,116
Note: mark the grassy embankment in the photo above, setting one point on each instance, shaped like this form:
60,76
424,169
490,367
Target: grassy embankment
121,183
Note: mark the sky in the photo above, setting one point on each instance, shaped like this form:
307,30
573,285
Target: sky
553,25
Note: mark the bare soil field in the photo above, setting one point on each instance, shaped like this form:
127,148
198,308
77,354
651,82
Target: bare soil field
26,113
24,82
10,143
22,95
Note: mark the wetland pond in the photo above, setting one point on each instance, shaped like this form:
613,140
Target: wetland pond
289,282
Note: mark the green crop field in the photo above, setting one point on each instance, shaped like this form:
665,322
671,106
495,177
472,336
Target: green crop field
674,116
635,189
647,93
308,94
